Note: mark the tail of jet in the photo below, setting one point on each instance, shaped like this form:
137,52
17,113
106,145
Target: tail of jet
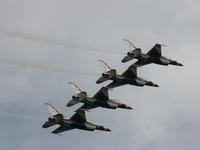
133,51
105,66
108,72
75,88
79,95
130,45
51,109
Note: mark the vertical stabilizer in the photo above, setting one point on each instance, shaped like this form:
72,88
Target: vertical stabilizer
75,88
51,109
130,45
105,66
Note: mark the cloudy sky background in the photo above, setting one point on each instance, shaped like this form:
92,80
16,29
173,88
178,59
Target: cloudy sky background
46,44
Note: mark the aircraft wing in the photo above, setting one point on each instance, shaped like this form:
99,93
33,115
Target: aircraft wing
141,63
87,107
62,129
102,94
155,51
79,116
115,84
131,72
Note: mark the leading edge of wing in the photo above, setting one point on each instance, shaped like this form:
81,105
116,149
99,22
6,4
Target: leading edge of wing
86,107
62,129
141,63
115,84
155,51
102,94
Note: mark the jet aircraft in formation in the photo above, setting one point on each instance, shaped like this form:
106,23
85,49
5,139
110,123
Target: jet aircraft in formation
100,99
128,77
152,56
77,121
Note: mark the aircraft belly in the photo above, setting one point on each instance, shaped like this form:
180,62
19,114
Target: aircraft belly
78,125
156,61
131,82
103,104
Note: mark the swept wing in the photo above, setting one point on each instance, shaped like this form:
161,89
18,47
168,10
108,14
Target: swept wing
141,63
131,72
155,51
79,116
62,129
101,95
115,84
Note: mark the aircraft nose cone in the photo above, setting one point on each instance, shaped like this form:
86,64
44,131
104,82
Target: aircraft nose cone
156,85
107,129
129,107
180,64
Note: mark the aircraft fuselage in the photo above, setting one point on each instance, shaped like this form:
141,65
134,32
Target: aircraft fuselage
157,60
132,81
87,125
95,102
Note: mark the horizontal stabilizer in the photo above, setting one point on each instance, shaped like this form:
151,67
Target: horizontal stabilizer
48,124
72,102
101,80
127,58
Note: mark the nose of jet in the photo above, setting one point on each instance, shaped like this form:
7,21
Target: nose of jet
107,129
156,85
129,107
179,64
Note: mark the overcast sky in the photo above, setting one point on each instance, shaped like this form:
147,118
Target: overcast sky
46,44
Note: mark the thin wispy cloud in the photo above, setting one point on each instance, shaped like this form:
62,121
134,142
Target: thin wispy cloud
42,66
40,38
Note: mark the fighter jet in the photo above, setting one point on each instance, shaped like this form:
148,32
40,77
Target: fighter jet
100,99
77,121
153,56
128,77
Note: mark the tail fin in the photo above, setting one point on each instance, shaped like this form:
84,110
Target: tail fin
75,88
51,109
130,45
105,66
